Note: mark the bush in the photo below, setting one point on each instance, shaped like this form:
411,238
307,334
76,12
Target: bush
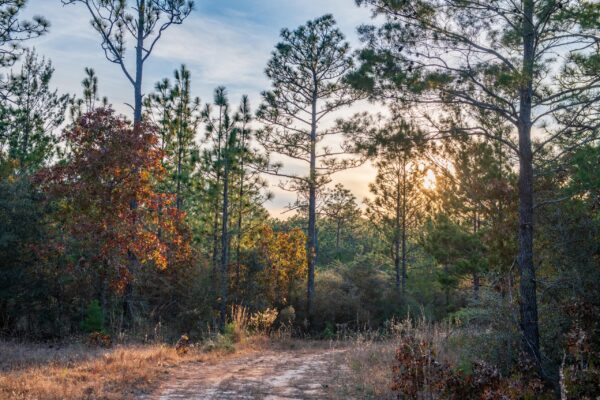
221,342
420,373
262,321
287,316
94,318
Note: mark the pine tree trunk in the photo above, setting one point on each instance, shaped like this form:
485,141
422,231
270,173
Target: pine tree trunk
137,118
240,215
225,244
311,250
180,117
404,209
529,312
139,68
476,279
397,227
337,238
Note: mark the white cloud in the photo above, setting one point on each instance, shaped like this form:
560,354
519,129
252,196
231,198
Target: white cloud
229,45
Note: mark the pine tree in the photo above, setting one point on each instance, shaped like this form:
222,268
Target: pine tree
90,99
14,31
178,117
341,210
398,204
491,57
32,113
145,21
251,185
306,72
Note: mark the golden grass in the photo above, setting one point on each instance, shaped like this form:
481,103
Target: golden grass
29,372
73,373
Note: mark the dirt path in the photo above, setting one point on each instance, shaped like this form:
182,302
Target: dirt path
269,375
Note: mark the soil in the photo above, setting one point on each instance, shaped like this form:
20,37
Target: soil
269,375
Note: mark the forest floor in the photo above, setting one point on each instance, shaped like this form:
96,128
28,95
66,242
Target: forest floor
258,368
270,375
285,370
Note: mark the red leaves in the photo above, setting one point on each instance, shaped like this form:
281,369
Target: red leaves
105,198
417,374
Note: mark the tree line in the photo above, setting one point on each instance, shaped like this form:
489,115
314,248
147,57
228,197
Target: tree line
483,208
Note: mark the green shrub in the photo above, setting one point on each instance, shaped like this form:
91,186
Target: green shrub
223,342
94,319
328,332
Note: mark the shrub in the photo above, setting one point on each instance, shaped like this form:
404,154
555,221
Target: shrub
221,342
182,345
418,373
262,321
328,332
238,326
287,316
94,319
580,372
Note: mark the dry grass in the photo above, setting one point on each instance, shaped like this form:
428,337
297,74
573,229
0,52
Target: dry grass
75,371
365,370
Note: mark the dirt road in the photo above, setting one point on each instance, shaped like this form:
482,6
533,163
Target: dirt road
269,375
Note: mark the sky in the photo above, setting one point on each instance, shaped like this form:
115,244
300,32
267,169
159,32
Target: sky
223,42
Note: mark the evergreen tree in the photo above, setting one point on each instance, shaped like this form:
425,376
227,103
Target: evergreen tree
341,211
145,21
14,31
33,111
250,185
178,116
90,99
456,250
306,72
478,57
398,204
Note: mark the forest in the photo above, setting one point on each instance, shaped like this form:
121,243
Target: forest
140,255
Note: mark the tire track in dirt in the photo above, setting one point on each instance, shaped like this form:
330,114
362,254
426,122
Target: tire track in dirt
269,375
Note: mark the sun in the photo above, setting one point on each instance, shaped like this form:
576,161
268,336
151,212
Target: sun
429,181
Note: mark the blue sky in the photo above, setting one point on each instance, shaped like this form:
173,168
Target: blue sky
223,42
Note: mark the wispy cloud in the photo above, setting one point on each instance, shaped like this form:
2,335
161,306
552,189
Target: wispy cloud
224,42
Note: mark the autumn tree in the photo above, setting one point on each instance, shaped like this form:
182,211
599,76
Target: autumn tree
472,57
283,259
144,21
306,72
108,165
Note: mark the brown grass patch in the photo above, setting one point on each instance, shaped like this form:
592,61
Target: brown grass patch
75,371
365,370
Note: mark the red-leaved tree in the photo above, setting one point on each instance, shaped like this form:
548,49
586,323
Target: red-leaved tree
109,166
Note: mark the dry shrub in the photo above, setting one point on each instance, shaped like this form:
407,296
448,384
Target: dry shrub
364,371
261,322
580,370
239,319
99,339
420,374
183,345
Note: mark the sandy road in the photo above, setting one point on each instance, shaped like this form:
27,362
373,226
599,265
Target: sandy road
269,375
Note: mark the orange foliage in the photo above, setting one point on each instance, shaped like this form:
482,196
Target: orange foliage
105,198
284,257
